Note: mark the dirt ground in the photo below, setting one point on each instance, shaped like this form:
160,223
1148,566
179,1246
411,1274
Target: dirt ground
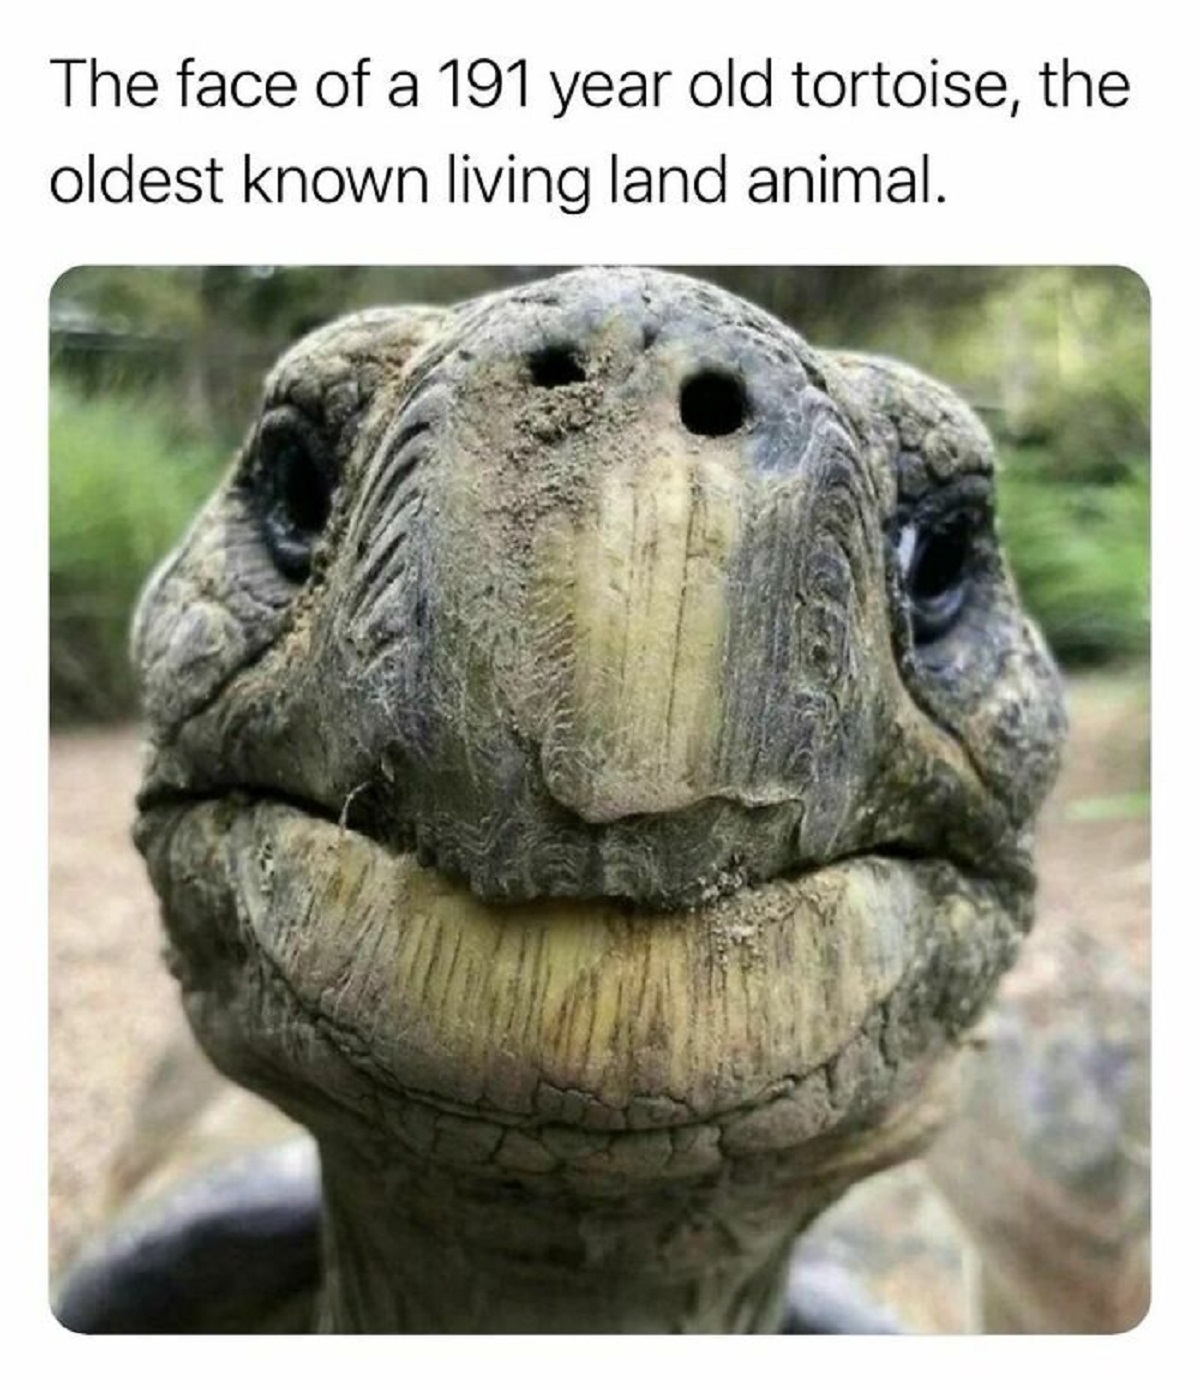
113,1006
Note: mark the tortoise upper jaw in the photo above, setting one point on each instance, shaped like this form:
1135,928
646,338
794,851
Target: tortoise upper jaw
534,849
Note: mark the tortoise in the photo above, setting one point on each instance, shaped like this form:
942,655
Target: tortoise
593,742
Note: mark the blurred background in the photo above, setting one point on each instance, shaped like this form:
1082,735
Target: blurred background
154,377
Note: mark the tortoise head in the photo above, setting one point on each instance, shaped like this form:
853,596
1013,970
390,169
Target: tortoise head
593,744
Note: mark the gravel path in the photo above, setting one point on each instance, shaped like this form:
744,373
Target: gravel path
113,1006
112,1003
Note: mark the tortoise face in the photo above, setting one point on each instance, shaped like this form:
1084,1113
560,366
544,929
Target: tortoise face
593,711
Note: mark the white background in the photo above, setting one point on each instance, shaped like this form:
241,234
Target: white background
1048,187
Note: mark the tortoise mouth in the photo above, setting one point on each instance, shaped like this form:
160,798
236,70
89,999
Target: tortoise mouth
718,845
327,970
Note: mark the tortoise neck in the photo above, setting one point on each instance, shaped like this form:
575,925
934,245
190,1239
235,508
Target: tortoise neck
472,1230
410,1250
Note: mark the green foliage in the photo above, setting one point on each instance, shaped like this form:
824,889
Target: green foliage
124,483
1069,364
1081,555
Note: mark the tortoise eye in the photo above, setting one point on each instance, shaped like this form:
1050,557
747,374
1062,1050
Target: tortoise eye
936,563
296,486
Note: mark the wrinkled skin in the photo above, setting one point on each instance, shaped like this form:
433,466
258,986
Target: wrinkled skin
593,746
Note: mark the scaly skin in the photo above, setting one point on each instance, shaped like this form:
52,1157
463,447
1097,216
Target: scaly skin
593,740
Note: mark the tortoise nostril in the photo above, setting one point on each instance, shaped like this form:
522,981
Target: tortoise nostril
556,366
712,403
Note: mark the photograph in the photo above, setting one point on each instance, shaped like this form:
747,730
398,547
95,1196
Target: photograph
599,799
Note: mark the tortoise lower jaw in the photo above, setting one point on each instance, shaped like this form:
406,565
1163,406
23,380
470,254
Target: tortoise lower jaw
328,971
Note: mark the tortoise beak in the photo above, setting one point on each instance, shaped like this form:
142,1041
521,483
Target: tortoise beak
641,584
